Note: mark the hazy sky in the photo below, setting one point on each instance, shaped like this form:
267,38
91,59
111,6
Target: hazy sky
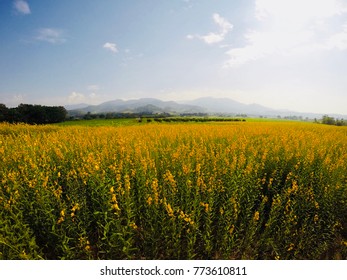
287,54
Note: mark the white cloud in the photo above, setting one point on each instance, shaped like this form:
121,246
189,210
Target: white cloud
12,99
298,11
17,99
291,27
92,95
212,38
89,98
215,37
22,7
51,35
239,56
111,47
223,23
93,87
338,40
271,42
76,97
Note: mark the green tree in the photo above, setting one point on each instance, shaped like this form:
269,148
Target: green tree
3,112
328,120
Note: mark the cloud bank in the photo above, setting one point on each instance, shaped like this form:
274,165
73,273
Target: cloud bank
292,27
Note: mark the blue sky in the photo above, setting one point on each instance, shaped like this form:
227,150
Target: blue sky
288,54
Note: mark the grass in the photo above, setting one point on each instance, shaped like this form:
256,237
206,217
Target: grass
101,122
134,121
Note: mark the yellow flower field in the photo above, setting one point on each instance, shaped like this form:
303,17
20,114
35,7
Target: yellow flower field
250,190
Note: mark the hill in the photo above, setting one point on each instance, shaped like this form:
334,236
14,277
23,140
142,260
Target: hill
143,105
210,105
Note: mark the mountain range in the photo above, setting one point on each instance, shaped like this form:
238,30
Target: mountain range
209,105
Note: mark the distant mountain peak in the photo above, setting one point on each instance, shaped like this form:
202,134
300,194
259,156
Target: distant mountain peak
139,105
209,104
75,106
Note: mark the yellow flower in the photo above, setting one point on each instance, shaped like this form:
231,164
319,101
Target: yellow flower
186,218
87,247
169,210
205,205
149,200
24,255
291,247
155,190
84,243
127,183
76,207
115,207
256,216
316,218
170,179
62,217
114,198
189,220
133,226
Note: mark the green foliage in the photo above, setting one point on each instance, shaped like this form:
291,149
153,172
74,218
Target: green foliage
332,121
32,114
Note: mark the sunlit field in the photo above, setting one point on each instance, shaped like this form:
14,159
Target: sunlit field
245,190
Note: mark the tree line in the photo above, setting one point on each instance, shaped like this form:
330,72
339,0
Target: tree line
33,114
332,121
185,119
116,115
